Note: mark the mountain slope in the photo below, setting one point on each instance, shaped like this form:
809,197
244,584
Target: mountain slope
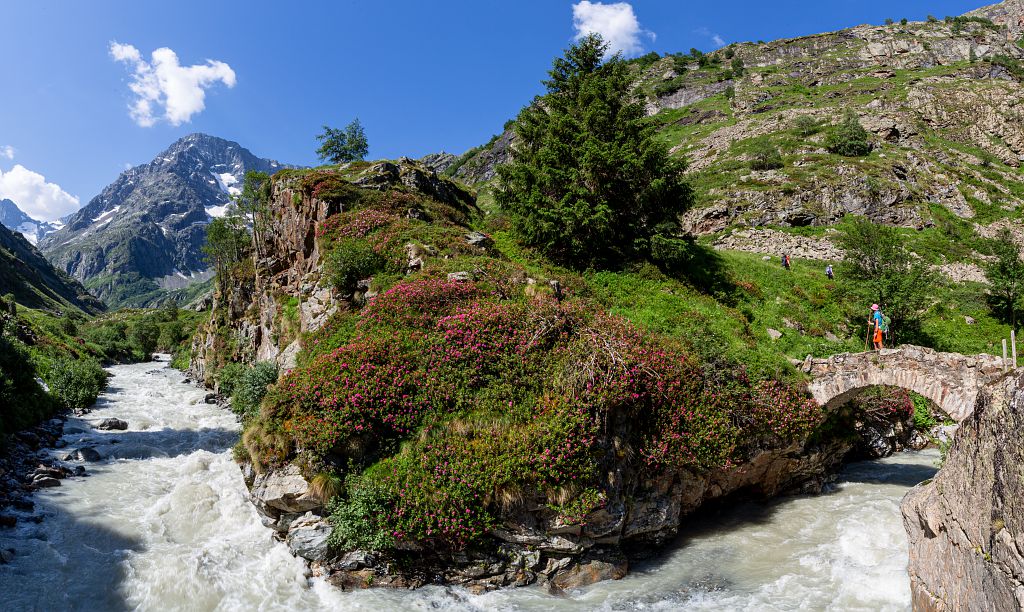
939,98
14,219
142,235
26,274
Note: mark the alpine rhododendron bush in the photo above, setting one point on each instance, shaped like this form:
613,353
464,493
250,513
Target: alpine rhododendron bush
445,404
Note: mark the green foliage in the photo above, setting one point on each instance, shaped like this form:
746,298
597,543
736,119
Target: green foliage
249,388
848,138
805,125
22,401
75,383
1012,65
346,145
589,184
887,273
350,261
356,518
1006,277
888,21
253,202
737,66
145,334
903,21
765,156
227,241
923,419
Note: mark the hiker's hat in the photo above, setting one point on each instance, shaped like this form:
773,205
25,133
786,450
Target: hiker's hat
874,307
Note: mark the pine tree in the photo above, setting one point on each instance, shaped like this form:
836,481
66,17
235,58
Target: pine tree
588,184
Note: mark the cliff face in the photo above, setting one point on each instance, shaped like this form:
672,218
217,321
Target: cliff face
966,527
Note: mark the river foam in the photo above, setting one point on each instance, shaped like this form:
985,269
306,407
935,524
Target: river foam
164,523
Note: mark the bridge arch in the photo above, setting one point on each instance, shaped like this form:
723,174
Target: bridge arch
951,380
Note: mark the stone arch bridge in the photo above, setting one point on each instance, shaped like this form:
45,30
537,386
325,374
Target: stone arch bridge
951,380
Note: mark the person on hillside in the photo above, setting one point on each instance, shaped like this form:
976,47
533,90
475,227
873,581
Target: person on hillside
829,273
875,322
785,261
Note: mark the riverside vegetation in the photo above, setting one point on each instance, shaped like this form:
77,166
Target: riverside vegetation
470,365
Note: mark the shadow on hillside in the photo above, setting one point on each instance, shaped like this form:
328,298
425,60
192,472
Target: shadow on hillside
705,270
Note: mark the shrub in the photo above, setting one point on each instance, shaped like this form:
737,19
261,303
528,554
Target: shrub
228,377
145,334
350,261
923,419
805,125
848,138
250,387
765,156
75,383
903,21
22,401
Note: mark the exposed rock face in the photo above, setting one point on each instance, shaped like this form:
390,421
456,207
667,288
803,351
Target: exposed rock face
146,229
775,242
966,526
291,269
14,219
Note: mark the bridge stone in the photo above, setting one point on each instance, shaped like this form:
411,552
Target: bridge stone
951,380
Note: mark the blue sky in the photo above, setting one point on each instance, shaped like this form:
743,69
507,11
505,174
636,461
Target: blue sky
421,76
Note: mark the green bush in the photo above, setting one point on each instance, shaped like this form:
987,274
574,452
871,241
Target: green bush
805,125
848,138
229,376
350,261
923,419
356,520
145,334
250,387
765,156
22,401
75,383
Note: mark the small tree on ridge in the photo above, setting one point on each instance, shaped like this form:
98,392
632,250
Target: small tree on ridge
347,145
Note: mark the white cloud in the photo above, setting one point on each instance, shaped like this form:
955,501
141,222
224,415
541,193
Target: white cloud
716,38
164,89
39,199
7,151
616,23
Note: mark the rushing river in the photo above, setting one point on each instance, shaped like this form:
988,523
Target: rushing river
163,523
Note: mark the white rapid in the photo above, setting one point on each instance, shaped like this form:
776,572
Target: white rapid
163,523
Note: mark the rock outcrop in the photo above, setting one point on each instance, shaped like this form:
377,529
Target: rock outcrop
966,527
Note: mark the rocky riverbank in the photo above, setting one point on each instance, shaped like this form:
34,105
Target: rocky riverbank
966,526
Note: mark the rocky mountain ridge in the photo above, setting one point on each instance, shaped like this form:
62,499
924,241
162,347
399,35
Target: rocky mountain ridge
144,232
15,219
26,274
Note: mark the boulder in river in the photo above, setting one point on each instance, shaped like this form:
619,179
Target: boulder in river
87,453
45,481
591,570
307,537
111,424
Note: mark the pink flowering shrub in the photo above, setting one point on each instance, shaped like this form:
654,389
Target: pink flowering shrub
499,399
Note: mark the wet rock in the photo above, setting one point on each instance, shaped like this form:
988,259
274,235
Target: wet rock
6,555
45,482
29,438
307,537
211,398
6,520
87,453
590,571
112,424
356,559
